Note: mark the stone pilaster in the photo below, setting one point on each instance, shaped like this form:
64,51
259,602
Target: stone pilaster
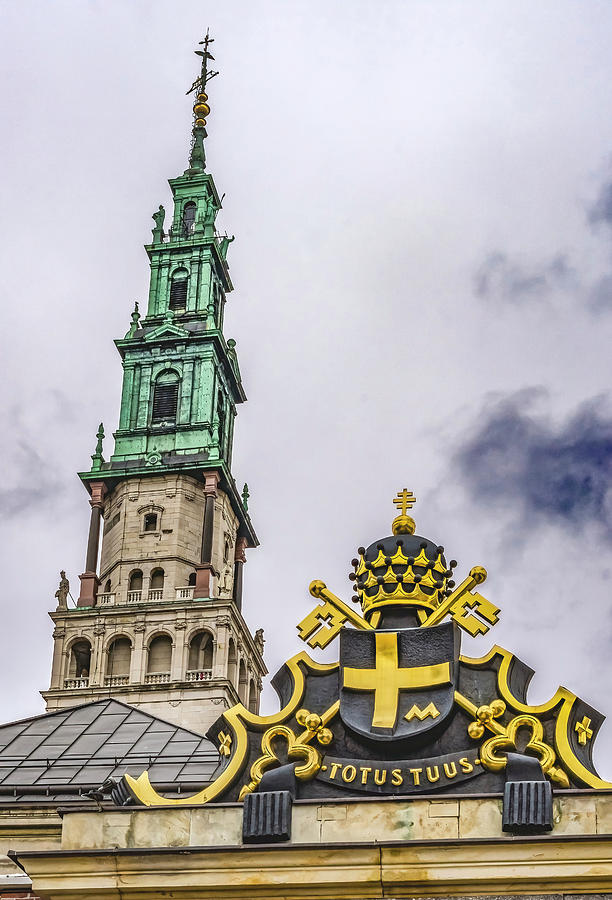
138,654
239,561
205,571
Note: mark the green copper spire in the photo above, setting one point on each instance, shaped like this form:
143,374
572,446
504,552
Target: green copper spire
181,380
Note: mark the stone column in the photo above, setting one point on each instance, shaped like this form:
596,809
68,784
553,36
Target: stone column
89,580
205,571
97,663
177,666
239,561
138,653
57,666
222,646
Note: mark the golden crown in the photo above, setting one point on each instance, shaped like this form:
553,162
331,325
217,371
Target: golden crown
403,569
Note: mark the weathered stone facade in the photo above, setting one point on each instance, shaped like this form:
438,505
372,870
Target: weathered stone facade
154,524
192,698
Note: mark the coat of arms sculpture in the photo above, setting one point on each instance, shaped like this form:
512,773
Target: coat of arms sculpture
403,712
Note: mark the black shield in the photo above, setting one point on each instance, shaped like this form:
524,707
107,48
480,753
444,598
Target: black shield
395,684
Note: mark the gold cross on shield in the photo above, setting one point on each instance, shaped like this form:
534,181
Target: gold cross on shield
387,679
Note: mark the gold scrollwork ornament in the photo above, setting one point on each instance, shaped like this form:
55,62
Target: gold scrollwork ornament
492,760
295,751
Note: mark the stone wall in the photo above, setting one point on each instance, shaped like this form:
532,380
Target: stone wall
393,848
174,545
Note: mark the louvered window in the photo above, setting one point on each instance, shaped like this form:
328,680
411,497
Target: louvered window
221,418
165,398
178,289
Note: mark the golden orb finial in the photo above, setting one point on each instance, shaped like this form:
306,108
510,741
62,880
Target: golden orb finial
403,524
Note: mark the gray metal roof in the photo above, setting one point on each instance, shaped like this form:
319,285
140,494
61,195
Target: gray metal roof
59,755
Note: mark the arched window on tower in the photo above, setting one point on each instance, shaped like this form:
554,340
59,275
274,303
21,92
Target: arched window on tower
159,660
79,665
199,667
118,663
165,398
156,585
178,289
135,587
189,215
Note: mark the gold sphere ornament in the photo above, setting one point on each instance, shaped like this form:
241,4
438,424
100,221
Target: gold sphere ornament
479,574
313,721
498,708
475,730
324,736
403,524
301,716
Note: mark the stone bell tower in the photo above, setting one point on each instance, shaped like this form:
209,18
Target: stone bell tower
158,623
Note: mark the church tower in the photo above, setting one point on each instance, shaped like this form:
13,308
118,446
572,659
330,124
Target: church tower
158,623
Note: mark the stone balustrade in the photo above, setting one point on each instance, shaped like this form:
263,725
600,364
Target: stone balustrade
157,678
198,675
72,683
155,595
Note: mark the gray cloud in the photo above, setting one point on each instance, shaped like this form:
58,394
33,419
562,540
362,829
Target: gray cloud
560,473
32,484
601,211
600,294
503,279
30,447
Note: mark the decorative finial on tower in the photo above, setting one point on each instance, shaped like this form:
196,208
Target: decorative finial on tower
245,495
201,109
135,321
96,457
403,524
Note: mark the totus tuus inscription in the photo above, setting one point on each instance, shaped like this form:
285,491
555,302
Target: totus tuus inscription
400,776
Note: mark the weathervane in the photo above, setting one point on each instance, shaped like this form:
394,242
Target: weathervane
205,76
201,109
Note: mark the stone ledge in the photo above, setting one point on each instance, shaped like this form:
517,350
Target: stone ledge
458,869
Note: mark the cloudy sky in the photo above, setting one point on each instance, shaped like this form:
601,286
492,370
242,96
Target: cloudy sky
421,194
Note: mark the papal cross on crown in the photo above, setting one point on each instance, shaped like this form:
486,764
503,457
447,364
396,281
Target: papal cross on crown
401,581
